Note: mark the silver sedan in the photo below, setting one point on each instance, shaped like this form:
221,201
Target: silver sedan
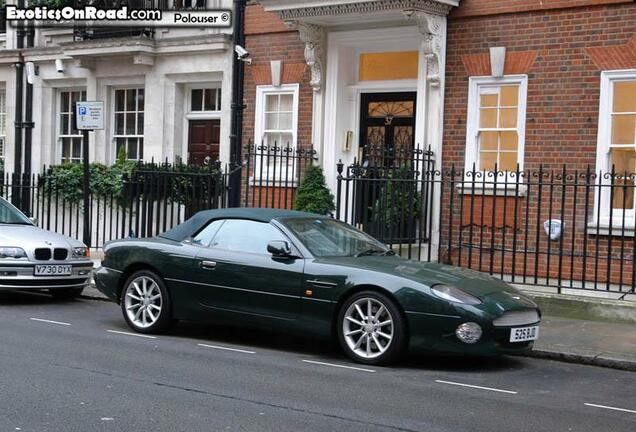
35,259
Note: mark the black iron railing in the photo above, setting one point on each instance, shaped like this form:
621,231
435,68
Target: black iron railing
390,197
153,199
271,174
562,228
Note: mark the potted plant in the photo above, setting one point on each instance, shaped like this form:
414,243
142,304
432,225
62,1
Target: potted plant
313,196
397,208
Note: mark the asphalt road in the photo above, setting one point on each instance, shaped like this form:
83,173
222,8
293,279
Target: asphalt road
65,367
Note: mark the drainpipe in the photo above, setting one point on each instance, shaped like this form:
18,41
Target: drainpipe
28,113
236,127
28,130
19,80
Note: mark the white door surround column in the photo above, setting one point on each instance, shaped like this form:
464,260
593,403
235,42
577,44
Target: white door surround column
431,99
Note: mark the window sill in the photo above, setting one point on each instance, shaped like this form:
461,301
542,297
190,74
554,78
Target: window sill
603,229
510,189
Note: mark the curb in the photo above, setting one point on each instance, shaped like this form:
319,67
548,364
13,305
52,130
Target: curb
585,308
585,359
89,297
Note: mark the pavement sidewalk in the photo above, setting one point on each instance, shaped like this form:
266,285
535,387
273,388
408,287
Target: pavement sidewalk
586,341
608,344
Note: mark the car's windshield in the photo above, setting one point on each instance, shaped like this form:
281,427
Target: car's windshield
11,215
329,237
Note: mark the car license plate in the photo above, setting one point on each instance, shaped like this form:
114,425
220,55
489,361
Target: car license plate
53,270
524,334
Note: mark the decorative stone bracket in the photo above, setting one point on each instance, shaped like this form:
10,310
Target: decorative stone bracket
314,38
431,27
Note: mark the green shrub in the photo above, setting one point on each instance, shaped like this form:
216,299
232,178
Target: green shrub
313,196
119,181
67,180
399,199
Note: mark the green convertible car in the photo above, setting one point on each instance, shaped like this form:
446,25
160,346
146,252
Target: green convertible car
287,270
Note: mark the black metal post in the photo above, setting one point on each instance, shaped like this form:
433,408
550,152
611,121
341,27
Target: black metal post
238,73
28,130
87,179
16,194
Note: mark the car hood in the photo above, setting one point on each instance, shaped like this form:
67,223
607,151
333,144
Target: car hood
29,237
478,284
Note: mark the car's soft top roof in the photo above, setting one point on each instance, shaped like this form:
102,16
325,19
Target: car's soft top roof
201,219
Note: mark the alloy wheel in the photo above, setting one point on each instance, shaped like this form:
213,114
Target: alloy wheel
368,328
143,302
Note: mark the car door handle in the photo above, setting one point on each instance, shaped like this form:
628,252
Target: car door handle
209,265
322,284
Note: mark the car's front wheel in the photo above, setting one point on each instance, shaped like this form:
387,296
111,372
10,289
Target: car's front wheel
371,329
145,303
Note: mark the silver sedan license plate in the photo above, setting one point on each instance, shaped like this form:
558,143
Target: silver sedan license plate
524,334
53,270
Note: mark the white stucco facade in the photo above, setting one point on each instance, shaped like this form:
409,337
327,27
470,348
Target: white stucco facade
167,65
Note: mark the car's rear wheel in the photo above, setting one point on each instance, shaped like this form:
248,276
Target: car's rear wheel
66,293
145,303
371,329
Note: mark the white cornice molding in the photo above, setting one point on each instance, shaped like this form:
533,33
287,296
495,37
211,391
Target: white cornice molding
431,27
314,38
294,11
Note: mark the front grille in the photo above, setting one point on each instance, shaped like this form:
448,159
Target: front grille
43,254
517,318
60,254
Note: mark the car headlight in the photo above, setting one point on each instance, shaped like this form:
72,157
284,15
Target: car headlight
12,252
80,252
469,332
454,294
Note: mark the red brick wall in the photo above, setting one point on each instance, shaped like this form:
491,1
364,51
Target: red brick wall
570,47
492,7
563,80
267,39
257,21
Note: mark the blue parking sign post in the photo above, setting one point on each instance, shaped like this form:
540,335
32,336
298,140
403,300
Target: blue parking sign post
89,116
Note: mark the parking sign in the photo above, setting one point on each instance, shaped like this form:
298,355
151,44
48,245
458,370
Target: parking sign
89,115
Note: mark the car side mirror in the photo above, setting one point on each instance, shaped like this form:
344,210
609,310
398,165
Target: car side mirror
34,220
279,249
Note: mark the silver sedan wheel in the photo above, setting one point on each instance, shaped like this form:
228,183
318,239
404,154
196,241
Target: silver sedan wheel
368,328
143,302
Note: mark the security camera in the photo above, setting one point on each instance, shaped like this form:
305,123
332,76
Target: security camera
243,54
59,65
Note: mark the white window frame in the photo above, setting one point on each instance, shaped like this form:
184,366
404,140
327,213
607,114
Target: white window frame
602,211
58,125
472,120
259,124
114,119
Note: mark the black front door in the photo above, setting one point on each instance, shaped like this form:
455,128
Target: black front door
387,135
387,128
